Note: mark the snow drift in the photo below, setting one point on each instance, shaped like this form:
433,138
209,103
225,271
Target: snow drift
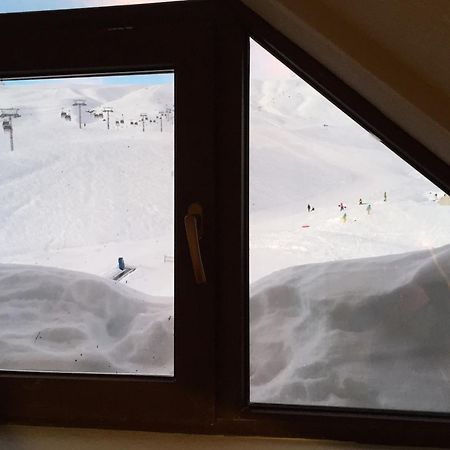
60,320
370,333
366,332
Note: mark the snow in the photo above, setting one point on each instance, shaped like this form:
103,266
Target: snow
60,320
343,313
77,200
295,160
370,332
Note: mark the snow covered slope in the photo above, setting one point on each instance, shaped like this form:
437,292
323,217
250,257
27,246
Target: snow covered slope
303,150
59,320
80,198
321,330
358,317
369,333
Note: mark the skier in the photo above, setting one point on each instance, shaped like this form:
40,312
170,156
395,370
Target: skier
385,196
344,218
312,209
369,208
360,201
309,207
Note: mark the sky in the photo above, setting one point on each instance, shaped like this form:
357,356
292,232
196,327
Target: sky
264,66
40,5
118,80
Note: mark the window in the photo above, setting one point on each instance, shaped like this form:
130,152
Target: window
349,258
206,46
75,167
88,170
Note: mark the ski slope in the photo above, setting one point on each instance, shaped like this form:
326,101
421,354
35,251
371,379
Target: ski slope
80,198
358,315
323,290
305,151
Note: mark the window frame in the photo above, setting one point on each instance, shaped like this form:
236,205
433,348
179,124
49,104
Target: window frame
236,412
222,394
145,401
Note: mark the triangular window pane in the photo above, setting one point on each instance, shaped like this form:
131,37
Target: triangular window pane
349,258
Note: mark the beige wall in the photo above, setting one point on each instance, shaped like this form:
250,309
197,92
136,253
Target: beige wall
396,53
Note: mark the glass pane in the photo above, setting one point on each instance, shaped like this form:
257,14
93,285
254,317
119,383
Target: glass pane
86,224
9,6
349,259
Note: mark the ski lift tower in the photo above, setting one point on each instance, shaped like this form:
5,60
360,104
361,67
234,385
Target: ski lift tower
144,117
107,110
8,114
79,103
161,114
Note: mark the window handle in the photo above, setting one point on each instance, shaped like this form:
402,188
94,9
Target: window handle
193,224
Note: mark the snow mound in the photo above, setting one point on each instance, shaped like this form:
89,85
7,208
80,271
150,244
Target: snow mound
371,333
60,320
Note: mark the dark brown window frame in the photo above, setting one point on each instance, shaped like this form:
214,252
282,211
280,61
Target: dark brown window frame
79,42
235,412
216,398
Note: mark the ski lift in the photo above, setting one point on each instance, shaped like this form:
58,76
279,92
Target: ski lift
6,125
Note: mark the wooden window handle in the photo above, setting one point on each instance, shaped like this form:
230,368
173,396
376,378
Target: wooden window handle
194,234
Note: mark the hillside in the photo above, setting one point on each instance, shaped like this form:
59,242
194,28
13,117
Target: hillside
345,301
80,198
303,150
